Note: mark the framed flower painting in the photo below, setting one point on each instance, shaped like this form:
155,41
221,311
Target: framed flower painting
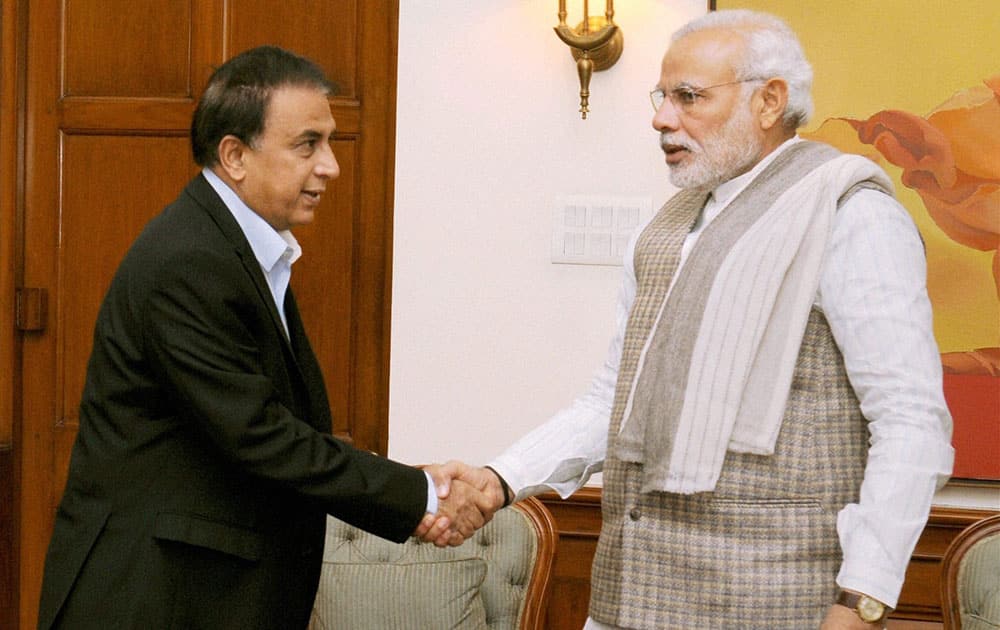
915,86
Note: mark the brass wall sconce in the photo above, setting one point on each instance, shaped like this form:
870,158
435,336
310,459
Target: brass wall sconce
596,43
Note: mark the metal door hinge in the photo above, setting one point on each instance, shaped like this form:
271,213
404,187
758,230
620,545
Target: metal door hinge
31,306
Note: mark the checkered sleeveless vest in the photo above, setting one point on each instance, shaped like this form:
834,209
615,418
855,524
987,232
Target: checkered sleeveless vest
761,551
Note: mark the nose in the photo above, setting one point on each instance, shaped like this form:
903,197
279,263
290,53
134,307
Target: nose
666,118
327,166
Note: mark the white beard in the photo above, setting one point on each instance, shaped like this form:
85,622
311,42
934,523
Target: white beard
730,151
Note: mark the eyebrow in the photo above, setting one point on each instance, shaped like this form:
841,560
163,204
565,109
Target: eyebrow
310,134
681,85
684,85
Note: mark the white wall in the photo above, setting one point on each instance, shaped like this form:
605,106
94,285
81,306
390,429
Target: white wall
489,338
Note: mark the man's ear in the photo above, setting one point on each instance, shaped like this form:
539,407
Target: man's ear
232,152
773,101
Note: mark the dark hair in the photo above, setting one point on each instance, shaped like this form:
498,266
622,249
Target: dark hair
237,95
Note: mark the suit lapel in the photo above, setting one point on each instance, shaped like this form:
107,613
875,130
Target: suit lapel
308,366
304,369
205,195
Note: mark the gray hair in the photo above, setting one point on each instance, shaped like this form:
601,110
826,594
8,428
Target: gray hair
772,50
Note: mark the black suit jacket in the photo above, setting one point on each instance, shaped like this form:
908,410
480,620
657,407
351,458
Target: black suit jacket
203,468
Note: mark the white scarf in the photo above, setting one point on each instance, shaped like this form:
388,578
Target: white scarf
746,329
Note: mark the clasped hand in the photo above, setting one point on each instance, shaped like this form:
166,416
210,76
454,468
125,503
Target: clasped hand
467,499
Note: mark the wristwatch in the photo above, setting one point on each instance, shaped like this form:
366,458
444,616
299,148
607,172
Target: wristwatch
868,608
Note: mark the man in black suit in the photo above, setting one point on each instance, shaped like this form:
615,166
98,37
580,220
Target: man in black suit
203,470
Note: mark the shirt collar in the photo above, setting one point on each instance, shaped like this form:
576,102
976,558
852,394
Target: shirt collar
268,245
725,191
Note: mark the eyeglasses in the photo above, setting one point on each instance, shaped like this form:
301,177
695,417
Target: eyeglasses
686,97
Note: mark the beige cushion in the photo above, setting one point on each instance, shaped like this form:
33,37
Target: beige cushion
441,594
979,586
373,570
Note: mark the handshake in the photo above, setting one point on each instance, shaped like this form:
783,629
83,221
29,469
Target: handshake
468,496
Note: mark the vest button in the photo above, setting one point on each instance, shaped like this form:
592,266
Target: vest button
635,514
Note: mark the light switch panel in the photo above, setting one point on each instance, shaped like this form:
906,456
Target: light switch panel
595,229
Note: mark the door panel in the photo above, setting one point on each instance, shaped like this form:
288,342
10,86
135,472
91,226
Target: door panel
325,273
326,32
111,186
114,50
108,95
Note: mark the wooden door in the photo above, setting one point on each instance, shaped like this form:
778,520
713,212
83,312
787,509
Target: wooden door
110,86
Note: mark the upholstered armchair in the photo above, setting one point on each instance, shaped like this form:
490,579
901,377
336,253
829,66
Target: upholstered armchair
497,580
970,578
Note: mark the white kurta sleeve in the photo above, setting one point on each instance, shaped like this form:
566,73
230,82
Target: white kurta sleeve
566,450
873,292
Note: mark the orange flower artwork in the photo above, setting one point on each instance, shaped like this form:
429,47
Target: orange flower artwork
951,159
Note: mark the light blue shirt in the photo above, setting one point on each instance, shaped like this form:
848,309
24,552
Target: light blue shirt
276,251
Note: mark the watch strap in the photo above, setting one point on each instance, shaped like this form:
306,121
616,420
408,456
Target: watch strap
508,495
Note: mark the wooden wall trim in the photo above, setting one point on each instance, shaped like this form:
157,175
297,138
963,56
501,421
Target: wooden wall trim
538,592
379,28
12,46
8,200
578,522
8,551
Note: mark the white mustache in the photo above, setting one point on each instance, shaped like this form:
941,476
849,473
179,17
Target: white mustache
668,139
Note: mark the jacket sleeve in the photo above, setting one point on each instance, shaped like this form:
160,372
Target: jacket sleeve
209,336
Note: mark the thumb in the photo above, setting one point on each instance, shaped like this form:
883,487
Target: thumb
441,478
443,487
453,469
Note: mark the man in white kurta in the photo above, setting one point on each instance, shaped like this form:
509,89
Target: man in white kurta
733,89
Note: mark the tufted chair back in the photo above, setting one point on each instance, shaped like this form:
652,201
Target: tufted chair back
970,578
497,580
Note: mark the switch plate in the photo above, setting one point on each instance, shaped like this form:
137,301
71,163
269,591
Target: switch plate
595,229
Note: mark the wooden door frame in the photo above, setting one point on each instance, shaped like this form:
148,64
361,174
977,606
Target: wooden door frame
371,314
371,317
12,51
